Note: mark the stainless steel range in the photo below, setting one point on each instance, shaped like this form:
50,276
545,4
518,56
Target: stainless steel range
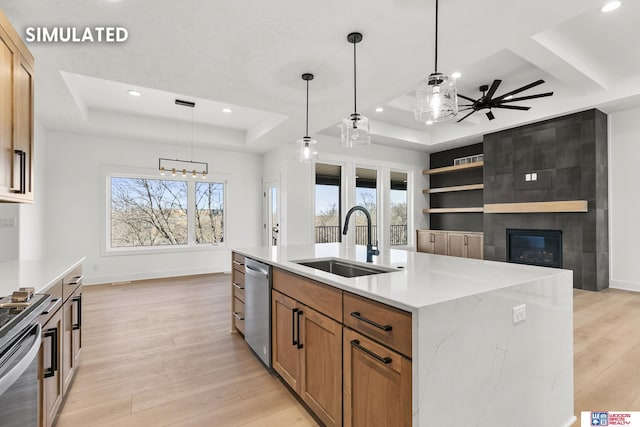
20,338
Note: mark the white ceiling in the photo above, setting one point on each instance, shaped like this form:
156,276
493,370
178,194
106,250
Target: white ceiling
248,55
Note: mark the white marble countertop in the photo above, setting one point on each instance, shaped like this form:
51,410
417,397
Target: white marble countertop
423,280
39,273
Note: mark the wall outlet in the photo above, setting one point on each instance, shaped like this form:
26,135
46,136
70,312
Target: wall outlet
519,313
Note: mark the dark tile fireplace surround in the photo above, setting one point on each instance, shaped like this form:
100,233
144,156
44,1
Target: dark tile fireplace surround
569,156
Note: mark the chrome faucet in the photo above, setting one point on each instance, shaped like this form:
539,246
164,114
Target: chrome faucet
371,249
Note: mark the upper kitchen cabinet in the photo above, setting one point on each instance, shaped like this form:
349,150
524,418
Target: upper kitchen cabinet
16,116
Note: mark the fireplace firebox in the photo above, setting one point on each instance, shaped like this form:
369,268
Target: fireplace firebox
535,247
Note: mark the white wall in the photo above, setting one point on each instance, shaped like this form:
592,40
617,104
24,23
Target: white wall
297,182
76,198
624,199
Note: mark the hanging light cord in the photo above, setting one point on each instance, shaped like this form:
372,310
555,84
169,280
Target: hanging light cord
191,134
436,61
355,109
307,121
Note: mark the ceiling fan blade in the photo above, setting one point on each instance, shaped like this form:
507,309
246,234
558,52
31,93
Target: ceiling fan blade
466,116
523,98
467,98
492,89
522,89
511,107
465,105
465,109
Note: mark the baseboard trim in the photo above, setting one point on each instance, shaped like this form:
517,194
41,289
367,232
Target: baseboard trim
625,286
146,275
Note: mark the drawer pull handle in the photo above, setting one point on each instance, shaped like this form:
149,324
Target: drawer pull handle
385,360
238,286
76,280
300,345
237,316
293,326
54,303
385,328
237,262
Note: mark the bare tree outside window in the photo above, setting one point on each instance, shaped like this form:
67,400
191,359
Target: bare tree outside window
209,212
148,212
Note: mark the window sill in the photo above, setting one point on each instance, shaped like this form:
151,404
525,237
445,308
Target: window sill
165,249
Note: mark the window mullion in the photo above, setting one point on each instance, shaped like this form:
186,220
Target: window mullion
191,213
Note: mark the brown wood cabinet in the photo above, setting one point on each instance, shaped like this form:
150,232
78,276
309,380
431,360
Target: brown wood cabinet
453,243
61,344
237,293
377,384
16,116
432,242
307,347
50,374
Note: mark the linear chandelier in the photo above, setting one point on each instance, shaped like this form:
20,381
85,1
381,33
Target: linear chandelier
184,167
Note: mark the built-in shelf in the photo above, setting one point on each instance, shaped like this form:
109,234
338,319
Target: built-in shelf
453,168
454,188
453,210
537,207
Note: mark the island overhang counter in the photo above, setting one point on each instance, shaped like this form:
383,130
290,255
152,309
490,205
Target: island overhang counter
491,342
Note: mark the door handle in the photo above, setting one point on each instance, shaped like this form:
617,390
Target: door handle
53,361
432,237
466,239
78,300
385,328
385,360
293,326
21,177
300,345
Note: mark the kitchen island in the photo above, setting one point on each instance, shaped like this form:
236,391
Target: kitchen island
491,343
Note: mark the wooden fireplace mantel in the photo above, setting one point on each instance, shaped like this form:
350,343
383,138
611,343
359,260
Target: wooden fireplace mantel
537,207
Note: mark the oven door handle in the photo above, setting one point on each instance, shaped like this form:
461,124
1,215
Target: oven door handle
20,366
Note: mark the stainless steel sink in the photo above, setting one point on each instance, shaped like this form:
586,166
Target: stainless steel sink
344,268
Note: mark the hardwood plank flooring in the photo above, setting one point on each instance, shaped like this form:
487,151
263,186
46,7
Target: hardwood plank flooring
159,353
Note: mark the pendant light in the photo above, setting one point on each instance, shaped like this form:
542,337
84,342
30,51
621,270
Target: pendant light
307,147
355,128
436,96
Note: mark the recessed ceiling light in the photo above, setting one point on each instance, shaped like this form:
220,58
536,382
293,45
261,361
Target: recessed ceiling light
379,110
429,122
611,6
456,75
134,92
226,110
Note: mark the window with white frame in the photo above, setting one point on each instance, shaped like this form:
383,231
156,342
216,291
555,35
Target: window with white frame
148,212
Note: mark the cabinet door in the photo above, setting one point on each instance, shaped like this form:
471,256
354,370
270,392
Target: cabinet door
377,384
423,241
285,339
474,246
456,244
23,130
6,115
68,309
51,388
321,376
440,243
76,327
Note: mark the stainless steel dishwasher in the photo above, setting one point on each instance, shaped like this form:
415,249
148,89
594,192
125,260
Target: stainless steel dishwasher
257,309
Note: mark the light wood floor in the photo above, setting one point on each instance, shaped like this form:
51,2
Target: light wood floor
159,353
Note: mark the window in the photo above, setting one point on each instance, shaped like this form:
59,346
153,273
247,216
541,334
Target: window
328,206
147,212
366,196
398,202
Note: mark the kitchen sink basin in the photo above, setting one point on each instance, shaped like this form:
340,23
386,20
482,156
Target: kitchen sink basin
344,268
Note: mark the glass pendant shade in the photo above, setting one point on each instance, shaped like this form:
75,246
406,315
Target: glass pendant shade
355,131
307,149
436,99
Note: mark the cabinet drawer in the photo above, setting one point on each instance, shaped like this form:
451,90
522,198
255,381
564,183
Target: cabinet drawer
325,299
237,277
238,291
71,282
237,262
387,325
238,315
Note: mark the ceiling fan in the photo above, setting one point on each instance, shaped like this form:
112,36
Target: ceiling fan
488,101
